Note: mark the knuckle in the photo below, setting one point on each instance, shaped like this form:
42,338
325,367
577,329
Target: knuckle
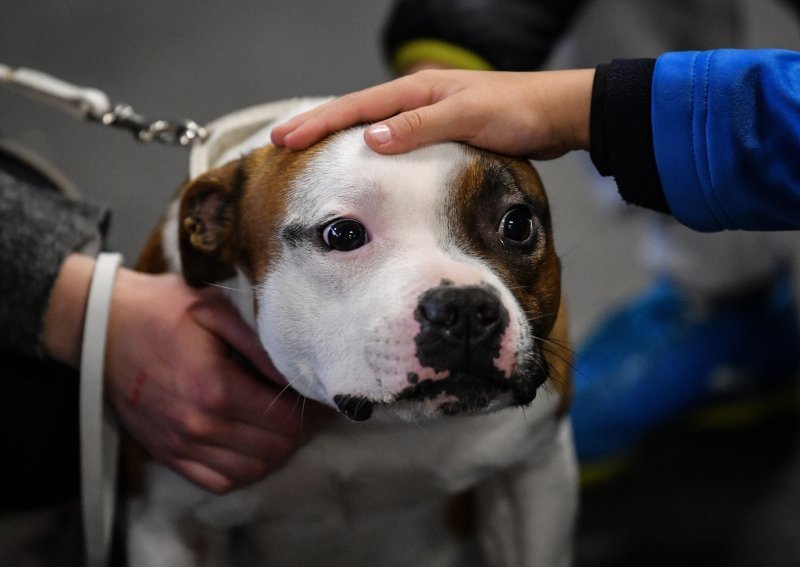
193,426
425,74
209,395
411,121
350,98
172,442
221,485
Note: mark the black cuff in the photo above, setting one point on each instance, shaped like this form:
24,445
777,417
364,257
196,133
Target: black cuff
621,131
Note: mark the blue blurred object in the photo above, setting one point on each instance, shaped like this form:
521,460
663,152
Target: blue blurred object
660,359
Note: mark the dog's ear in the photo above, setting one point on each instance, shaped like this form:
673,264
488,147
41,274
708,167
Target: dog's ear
208,237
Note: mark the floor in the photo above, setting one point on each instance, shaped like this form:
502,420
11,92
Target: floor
700,498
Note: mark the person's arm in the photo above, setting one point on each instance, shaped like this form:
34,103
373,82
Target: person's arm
726,130
710,137
621,133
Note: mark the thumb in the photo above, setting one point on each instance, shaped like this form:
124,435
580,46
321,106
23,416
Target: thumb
412,129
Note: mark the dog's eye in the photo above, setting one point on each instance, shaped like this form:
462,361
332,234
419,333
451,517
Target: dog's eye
516,225
344,235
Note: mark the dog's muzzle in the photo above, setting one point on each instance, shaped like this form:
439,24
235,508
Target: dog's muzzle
461,330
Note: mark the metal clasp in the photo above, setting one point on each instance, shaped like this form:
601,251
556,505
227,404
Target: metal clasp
181,133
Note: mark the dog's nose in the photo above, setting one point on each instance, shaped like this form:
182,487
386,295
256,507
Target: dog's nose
465,312
460,326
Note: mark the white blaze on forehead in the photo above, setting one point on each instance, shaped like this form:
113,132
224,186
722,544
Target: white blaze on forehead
347,175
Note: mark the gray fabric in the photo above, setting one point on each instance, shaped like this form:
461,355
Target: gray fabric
39,227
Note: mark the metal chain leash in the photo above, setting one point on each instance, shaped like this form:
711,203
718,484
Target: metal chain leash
94,105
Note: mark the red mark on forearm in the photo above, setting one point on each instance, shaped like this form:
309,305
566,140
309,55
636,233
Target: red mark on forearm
136,390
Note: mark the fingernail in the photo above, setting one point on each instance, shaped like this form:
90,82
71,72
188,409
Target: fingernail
380,133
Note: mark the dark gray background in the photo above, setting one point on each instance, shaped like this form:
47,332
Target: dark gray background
712,499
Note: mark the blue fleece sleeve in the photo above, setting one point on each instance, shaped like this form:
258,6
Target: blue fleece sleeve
726,132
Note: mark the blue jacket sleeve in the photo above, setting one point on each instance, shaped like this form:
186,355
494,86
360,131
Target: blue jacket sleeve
726,136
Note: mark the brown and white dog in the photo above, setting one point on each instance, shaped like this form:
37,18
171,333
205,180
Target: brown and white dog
396,289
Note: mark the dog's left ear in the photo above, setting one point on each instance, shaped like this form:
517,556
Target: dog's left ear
207,225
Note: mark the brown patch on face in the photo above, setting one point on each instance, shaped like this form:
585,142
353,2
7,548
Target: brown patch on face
271,172
489,187
231,216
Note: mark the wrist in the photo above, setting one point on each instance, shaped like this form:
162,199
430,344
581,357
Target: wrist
578,99
62,329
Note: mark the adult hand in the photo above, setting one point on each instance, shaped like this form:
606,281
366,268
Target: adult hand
189,378
537,114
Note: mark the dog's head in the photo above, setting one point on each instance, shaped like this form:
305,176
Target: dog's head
415,284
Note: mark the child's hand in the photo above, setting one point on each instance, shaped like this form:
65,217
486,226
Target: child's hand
536,114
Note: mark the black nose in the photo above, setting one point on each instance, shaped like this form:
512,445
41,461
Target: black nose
460,327
354,407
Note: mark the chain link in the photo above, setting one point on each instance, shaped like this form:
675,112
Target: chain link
180,133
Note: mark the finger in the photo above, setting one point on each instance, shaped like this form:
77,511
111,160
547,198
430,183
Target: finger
223,468
234,473
247,439
414,128
203,476
368,105
245,447
262,405
218,316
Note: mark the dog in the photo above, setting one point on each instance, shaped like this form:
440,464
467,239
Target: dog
419,295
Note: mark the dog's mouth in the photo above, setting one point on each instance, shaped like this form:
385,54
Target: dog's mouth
463,339
458,393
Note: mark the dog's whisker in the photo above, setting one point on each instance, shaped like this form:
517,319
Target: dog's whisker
225,287
302,412
296,401
534,316
277,397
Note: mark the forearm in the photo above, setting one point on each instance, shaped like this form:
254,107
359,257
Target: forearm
710,137
726,126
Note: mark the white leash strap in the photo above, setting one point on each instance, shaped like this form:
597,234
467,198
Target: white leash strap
82,101
93,104
99,429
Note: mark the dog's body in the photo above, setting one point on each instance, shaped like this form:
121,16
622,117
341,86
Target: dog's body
397,289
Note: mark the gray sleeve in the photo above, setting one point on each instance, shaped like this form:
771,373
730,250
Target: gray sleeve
38,229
